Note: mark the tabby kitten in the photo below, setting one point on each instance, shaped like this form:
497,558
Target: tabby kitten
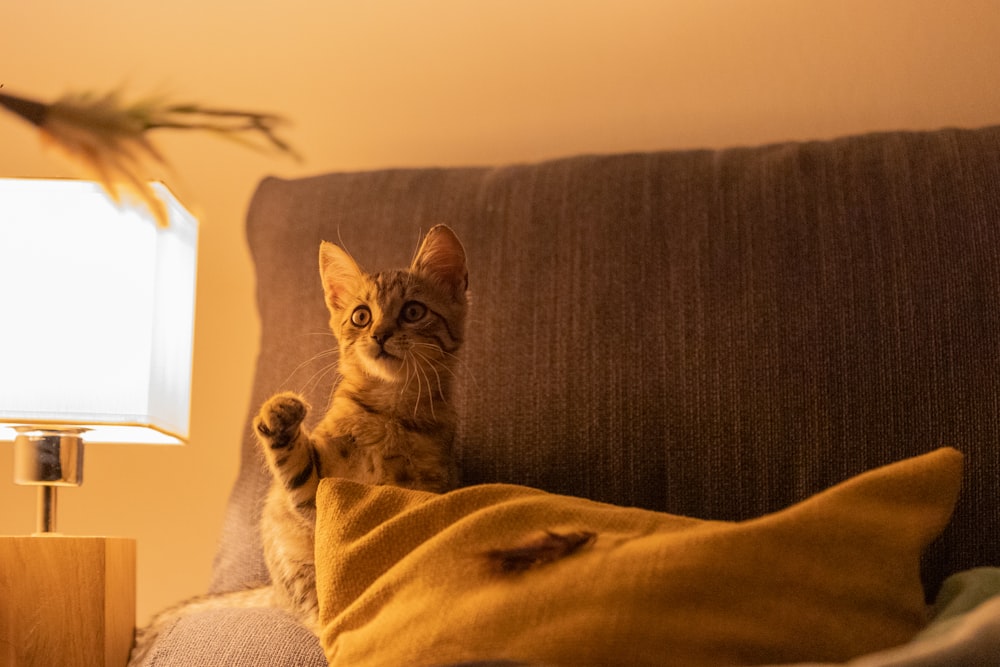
390,421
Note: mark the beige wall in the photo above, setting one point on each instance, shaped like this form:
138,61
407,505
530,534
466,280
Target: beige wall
441,82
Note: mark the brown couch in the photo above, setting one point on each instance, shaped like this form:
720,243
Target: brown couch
717,334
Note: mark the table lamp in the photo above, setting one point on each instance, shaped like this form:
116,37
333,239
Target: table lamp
96,339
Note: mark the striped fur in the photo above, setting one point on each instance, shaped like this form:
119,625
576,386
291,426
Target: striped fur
390,421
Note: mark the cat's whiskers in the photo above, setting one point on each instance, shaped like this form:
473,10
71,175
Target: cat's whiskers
325,334
433,367
409,375
319,355
422,377
322,372
411,362
319,374
455,359
420,386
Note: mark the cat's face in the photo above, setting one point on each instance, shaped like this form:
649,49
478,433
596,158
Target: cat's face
399,325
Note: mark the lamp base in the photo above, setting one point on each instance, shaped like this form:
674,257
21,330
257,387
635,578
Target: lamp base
66,600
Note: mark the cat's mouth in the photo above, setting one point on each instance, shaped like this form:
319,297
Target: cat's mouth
383,364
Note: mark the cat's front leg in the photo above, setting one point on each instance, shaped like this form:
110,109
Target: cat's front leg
287,447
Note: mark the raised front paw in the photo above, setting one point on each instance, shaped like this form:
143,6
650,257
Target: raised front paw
280,418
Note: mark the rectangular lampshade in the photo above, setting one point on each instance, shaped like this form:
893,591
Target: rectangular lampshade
96,313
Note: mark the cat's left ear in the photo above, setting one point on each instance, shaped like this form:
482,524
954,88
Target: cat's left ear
442,259
340,274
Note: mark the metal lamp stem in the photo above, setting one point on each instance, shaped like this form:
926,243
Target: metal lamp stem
48,457
45,521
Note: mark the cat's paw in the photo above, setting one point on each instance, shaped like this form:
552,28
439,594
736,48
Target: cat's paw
280,419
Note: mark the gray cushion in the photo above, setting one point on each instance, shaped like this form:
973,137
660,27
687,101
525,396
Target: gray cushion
228,637
711,333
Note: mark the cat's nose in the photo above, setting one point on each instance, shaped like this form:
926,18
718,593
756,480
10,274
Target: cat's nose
381,337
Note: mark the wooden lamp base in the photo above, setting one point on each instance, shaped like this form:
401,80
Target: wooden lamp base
66,600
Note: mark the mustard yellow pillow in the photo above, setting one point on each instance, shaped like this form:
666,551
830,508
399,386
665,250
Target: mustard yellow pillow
403,576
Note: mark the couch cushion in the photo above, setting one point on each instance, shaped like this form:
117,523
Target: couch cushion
645,328
403,576
246,637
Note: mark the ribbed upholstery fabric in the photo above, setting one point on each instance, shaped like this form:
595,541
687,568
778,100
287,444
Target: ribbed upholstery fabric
710,333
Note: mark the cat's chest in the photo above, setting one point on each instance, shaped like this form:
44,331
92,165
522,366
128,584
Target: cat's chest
376,434
374,449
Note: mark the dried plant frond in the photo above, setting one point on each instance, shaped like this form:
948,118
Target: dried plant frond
110,138
229,124
109,141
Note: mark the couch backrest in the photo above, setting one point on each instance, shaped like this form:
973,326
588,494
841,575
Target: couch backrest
711,333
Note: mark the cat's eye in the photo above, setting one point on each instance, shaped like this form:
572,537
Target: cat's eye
413,311
361,317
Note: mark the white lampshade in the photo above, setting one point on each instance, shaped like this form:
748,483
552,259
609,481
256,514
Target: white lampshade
96,313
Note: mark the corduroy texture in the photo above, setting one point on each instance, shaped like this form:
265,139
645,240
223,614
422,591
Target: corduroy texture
403,580
717,334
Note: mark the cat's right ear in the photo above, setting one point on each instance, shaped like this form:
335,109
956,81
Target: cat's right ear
339,273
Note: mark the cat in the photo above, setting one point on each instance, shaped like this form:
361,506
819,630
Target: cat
391,418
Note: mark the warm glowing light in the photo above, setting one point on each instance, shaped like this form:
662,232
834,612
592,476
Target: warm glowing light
96,312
